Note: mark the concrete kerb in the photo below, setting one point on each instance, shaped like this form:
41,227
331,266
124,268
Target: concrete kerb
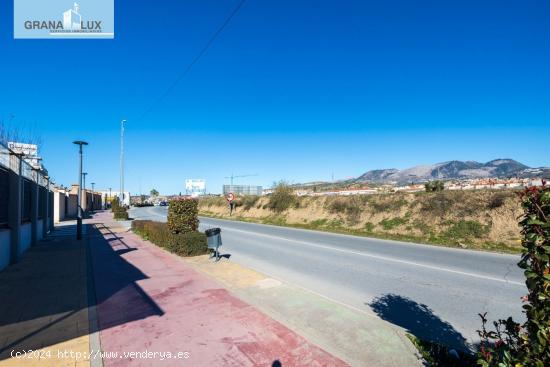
95,342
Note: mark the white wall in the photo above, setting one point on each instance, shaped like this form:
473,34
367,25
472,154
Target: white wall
5,237
25,237
58,206
72,208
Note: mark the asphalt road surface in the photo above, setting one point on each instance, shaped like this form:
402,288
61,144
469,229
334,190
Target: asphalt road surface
436,293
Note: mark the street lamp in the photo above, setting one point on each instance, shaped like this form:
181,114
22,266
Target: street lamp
93,194
80,143
122,161
84,178
84,188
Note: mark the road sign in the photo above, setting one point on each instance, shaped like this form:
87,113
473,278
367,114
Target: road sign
230,197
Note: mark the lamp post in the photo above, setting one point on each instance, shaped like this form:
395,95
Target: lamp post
110,198
84,188
122,162
80,143
93,194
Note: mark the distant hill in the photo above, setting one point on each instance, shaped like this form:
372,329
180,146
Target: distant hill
498,168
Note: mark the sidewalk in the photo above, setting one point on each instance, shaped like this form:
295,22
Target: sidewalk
44,305
147,302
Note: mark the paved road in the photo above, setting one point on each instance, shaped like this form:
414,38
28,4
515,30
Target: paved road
434,292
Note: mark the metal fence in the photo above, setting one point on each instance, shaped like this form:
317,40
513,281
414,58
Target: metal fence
4,196
9,161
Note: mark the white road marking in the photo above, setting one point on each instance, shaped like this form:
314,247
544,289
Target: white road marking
379,257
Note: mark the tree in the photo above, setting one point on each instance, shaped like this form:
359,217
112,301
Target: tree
434,186
154,192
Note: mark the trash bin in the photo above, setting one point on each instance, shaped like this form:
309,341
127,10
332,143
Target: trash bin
214,241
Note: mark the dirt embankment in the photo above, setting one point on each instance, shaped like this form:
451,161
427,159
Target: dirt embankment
468,219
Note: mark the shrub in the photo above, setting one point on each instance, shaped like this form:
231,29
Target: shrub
497,200
388,224
466,229
121,214
512,344
352,207
119,211
369,227
438,204
248,201
183,215
421,226
210,201
434,186
384,203
183,244
115,204
318,223
282,198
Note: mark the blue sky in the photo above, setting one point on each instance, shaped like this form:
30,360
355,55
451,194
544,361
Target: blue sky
294,90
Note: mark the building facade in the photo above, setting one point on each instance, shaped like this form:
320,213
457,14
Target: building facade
242,189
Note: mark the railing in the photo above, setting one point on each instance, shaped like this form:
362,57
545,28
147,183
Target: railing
9,161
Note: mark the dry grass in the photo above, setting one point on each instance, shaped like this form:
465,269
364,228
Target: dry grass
474,219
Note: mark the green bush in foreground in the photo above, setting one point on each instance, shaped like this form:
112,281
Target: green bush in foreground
183,215
510,343
182,244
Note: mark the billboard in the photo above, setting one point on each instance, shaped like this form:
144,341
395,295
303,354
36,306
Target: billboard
195,187
30,150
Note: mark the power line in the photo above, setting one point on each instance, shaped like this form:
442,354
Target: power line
196,59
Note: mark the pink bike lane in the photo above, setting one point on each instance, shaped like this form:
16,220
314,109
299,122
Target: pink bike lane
150,302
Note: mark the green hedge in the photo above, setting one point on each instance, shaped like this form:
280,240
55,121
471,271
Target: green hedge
510,343
183,244
114,204
121,214
183,215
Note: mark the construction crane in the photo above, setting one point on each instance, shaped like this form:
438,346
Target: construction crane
233,176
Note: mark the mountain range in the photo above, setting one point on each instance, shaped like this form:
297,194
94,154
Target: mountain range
498,168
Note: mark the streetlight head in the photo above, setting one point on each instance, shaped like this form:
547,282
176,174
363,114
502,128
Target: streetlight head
80,142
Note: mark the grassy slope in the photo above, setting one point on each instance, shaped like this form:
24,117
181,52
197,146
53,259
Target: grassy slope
484,220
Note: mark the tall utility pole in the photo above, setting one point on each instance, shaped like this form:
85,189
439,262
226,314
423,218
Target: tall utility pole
122,161
80,143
